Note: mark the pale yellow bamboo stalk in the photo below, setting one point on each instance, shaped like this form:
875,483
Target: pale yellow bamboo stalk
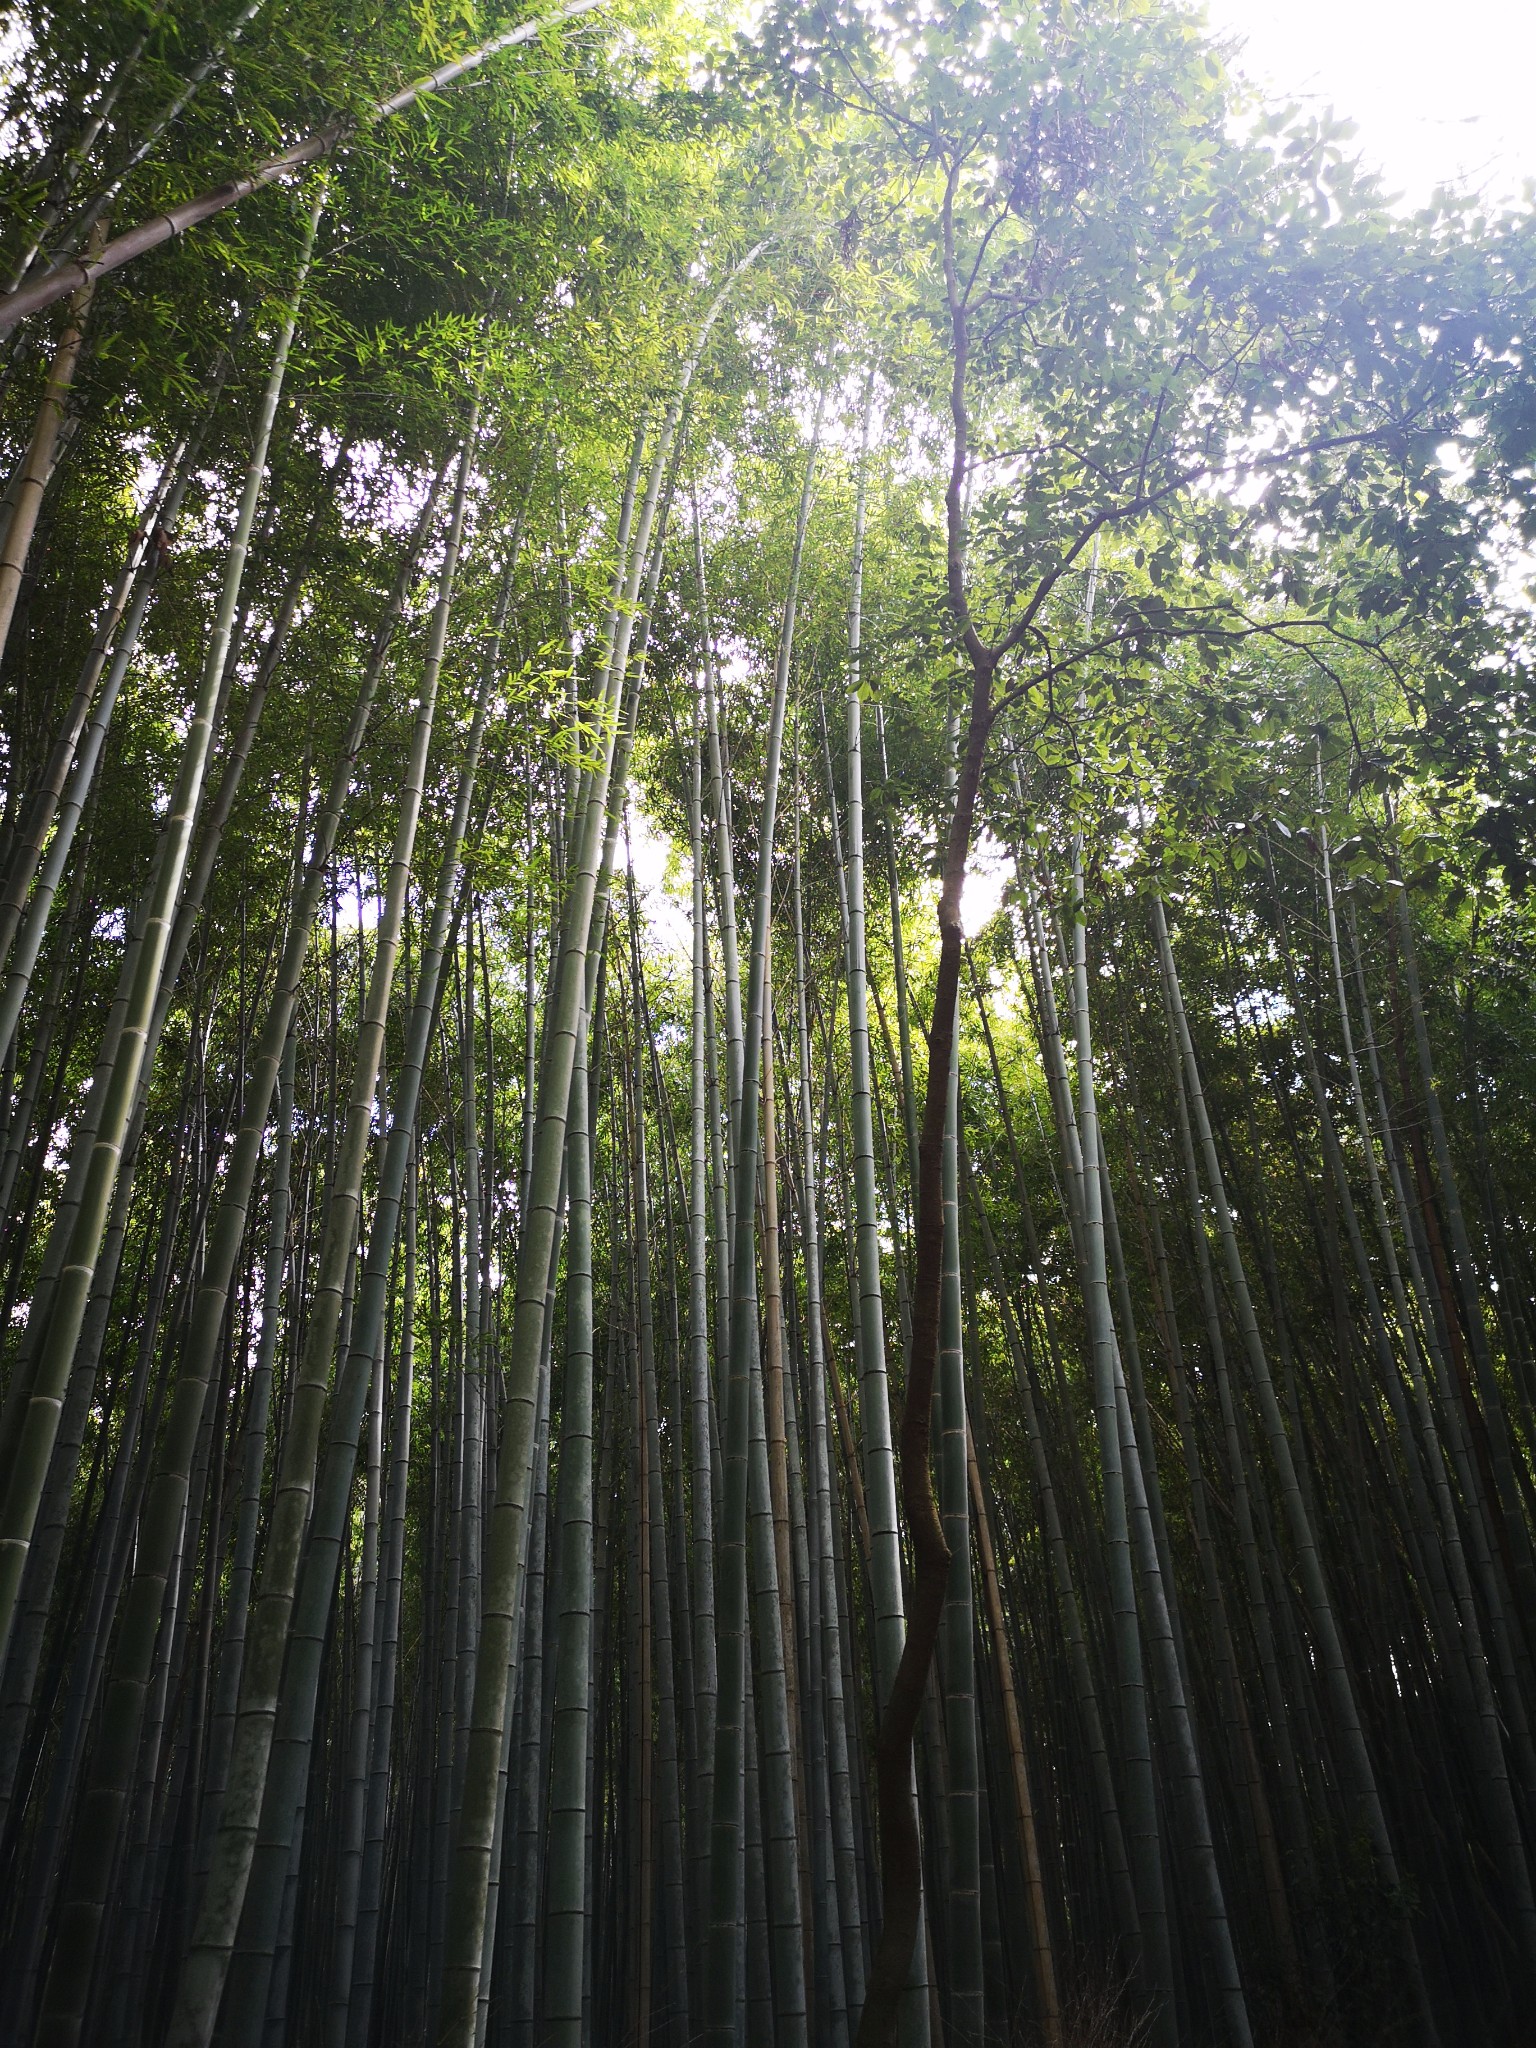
37,463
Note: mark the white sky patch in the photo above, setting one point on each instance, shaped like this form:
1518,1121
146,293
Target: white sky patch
987,874
1003,992
667,909
353,915
359,905
1435,98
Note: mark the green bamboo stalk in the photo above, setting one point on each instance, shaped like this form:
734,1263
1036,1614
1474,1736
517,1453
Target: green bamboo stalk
162,227
840,1897
1329,1645
362,1349
360,1714
746,1520
725,873
1085,1692
674,1917
701,1406
1078,1135
769,1580
78,745
967,2003
874,1400
38,461
205,1967
876,1439
71,1294
101,1817
565,1906
1503,1814
502,1579
360,2005
254,1448
52,1037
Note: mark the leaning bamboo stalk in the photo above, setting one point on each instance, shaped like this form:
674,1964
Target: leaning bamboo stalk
322,142
201,1983
254,1446
360,1351
1078,1138
169,114
31,930
776,1401
42,1555
821,1926
37,463
101,1818
361,1990
962,1802
879,1461
1053,1526
236,752
360,1716
501,1585
1161,1622
522,1831
72,1291
1449,1531
725,868
117,634
1321,1615
52,1036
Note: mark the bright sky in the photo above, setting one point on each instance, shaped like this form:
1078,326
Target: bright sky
1435,93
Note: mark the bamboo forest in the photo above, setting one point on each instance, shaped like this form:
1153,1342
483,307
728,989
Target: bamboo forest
767,1039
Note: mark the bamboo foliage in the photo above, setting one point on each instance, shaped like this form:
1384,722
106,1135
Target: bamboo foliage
765,1260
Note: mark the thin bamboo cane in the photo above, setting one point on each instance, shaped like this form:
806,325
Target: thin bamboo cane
67,1307
201,1983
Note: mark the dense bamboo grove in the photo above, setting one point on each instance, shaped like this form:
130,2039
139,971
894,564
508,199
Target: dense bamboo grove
766,1043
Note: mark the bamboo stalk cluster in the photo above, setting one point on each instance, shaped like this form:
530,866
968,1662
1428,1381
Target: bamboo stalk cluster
461,1510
